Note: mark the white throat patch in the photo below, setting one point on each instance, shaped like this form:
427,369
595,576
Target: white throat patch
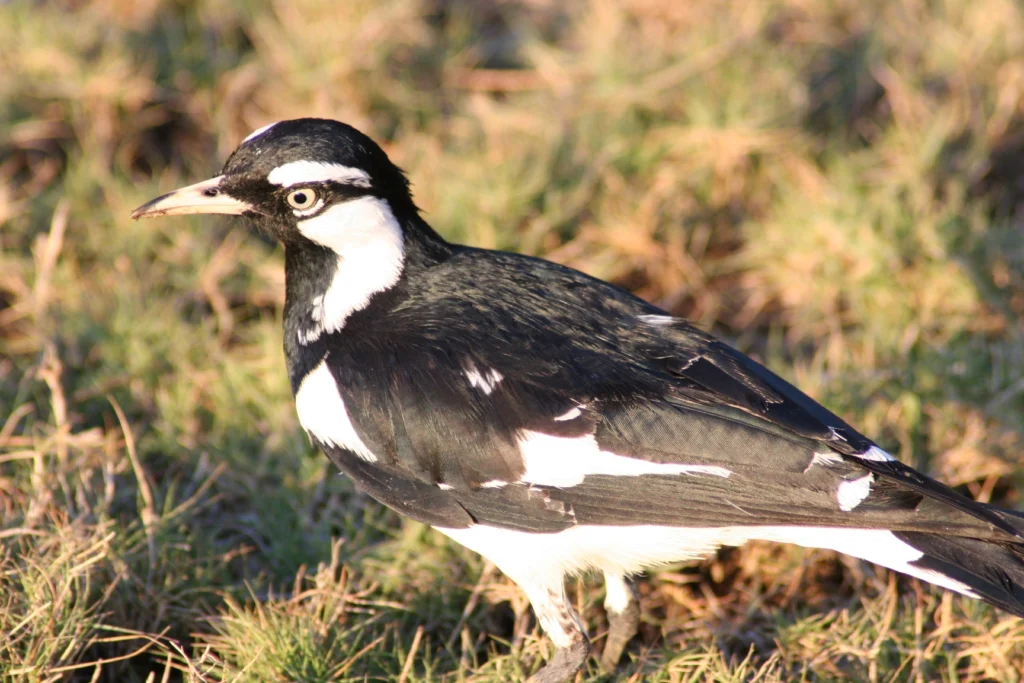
367,239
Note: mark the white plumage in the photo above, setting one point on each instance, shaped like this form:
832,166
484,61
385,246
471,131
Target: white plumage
370,254
562,461
323,415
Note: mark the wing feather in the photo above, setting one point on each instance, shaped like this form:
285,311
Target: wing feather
567,345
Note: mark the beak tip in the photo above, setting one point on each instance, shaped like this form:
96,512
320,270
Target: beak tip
146,210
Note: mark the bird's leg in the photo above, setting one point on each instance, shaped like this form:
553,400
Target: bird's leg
623,608
563,627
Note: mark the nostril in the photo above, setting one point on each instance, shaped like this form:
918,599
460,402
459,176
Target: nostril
212,192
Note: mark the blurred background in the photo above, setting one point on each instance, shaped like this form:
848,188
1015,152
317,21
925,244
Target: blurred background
836,187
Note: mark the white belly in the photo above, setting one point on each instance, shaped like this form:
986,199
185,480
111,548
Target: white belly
529,558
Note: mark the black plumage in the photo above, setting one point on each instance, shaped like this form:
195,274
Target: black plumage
500,398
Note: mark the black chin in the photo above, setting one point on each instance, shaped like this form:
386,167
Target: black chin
270,230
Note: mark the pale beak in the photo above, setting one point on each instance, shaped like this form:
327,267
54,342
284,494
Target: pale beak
204,197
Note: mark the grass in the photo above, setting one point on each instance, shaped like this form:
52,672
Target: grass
835,186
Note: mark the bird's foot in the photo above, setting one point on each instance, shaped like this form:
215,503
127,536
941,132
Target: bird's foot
566,662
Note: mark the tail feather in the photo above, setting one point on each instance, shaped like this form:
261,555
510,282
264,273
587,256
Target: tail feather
991,571
1014,518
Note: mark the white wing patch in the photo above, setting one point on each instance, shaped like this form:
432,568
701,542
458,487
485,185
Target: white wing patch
852,493
492,484
367,238
823,460
302,172
571,414
826,459
323,415
484,381
566,461
876,454
658,320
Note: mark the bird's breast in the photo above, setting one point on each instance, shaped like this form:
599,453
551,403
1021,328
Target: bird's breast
323,414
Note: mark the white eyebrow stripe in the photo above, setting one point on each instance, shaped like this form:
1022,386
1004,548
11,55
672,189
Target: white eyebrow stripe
300,172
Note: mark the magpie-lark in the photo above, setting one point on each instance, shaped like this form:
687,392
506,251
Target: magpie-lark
553,422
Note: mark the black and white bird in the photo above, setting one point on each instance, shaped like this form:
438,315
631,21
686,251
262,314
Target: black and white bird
553,422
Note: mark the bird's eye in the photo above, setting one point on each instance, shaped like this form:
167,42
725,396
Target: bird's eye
301,199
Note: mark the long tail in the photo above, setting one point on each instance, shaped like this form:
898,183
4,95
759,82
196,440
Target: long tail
990,570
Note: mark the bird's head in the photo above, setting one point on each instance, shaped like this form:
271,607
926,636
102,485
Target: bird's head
304,178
